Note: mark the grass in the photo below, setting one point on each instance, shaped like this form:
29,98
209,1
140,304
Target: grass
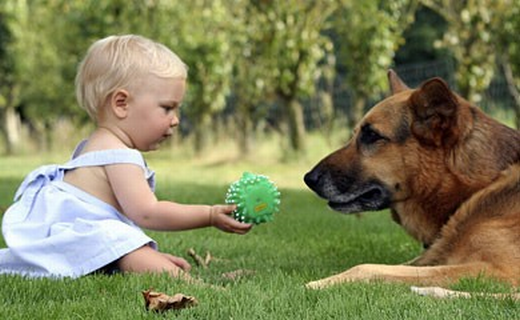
305,242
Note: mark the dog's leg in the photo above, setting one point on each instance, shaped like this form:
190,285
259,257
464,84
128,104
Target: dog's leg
428,275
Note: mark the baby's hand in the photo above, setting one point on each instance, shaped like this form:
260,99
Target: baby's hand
221,219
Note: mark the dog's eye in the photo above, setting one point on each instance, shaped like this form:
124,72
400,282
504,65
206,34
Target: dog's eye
369,135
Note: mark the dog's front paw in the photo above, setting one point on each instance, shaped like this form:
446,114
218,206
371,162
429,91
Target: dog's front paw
438,292
320,284
314,285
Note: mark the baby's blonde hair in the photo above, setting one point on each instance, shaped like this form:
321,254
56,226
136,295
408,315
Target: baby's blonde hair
115,62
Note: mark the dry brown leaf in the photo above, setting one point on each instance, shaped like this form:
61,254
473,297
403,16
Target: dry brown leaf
160,302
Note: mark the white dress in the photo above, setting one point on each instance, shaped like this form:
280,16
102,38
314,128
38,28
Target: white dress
54,229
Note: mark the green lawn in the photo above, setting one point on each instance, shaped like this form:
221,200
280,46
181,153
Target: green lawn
305,242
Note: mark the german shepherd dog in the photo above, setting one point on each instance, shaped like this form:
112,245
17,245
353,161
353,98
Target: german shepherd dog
450,176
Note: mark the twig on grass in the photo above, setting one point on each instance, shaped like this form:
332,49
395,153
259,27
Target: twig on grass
201,262
204,262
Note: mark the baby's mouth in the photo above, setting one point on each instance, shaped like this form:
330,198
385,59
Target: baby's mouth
165,137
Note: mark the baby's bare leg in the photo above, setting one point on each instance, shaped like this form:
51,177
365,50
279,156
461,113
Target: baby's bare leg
148,260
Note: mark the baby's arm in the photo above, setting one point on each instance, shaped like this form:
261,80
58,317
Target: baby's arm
141,205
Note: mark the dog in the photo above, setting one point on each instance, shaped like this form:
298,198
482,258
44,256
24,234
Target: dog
449,174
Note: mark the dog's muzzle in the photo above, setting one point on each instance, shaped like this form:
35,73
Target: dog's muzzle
347,194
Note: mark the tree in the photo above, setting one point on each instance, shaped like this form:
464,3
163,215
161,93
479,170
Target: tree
251,74
369,33
9,85
38,89
509,52
33,74
420,38
199,32
470,38
298,53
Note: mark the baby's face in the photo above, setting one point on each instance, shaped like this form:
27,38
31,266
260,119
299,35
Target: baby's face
153,111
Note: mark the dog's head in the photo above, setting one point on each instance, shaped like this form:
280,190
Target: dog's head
420,152
399,146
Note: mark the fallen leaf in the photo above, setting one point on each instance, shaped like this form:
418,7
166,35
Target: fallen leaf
160,302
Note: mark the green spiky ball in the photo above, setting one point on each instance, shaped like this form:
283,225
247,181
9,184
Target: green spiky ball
256,197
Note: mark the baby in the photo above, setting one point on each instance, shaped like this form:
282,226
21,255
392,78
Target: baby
86,215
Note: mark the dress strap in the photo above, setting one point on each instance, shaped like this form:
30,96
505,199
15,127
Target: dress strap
112,156
103,157
45,174
106,157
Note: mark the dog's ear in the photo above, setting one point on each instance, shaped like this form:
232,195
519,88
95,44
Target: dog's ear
396,84
435,110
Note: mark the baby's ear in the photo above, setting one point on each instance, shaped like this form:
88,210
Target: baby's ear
119,103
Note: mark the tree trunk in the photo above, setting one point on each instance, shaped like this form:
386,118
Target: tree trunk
357,110
295,125
201,130
245,129
513,90
11,130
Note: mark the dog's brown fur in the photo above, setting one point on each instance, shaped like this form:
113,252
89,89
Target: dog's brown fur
450,175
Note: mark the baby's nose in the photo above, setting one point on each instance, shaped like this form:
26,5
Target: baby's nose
175,122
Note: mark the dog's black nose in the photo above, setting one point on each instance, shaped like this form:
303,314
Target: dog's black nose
311,179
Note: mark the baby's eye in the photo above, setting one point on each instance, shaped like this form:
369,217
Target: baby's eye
168,109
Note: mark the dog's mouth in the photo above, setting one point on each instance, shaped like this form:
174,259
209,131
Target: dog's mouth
347,194
371,197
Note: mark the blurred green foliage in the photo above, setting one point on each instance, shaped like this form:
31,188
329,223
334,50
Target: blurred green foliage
257,56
